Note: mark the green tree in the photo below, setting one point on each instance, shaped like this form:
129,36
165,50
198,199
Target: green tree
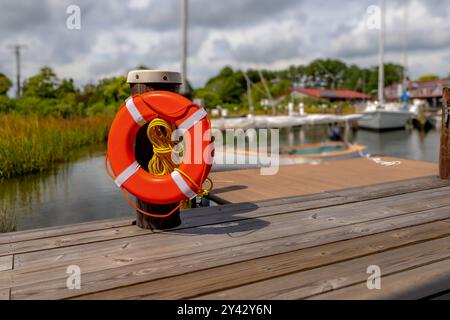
228,85
66,87
326,73
5,84
211,99
428,77
43,85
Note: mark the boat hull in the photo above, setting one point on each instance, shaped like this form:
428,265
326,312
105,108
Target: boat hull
384,120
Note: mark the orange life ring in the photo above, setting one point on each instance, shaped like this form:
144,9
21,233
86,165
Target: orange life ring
185,115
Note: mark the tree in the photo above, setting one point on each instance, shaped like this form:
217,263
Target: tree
211,99
327,73
66,87
5,84
228,85
42,85
428,77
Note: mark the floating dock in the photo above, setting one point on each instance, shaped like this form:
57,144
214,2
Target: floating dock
310,232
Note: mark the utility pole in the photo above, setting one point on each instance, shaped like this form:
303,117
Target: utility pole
184,24
381,54
16,48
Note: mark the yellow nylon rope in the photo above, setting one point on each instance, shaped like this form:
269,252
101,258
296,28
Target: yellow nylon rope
159,133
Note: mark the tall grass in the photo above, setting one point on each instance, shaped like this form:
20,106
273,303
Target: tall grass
32,144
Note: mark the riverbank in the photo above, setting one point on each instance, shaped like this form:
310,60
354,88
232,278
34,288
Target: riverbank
30,144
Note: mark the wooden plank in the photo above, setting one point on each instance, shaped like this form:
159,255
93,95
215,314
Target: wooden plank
238,274
217,236
293,180
227,213
4,294
6,263
10,237
110,229
104,272
324,282
192,218
411,284
392,188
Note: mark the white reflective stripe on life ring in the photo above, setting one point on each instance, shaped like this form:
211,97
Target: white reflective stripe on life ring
182,185
134,112
193,119
127,174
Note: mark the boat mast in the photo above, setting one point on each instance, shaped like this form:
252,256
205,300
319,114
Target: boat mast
249,92
184,23
381,55
405,46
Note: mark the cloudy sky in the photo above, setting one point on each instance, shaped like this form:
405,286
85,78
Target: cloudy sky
117,35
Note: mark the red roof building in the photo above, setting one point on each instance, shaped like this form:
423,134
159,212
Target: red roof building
427,90
332,95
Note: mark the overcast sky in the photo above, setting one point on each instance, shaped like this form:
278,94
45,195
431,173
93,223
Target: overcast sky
117,35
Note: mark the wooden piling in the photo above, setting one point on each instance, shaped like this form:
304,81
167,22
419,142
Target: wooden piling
143,81
444,157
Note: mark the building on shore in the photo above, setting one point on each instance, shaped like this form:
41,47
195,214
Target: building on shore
429,91
329,94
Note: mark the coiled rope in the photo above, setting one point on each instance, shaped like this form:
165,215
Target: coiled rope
159,132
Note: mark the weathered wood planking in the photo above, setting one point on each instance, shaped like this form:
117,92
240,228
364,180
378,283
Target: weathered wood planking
6,263
240,247
416,283
49,282
40,233
330,278
263,228
213,215
294,180
201,282
4,294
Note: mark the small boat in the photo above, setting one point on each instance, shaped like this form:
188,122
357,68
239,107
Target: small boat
323,151
381,116
383,119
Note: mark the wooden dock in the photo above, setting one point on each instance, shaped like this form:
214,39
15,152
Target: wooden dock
296,180
314,243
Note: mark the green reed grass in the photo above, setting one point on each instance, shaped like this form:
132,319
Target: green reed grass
33,144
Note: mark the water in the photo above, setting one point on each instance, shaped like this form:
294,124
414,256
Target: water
75,192
82,191
407,144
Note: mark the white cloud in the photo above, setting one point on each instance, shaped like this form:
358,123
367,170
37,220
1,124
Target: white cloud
116,35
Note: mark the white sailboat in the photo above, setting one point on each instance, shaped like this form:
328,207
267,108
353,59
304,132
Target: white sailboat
382,116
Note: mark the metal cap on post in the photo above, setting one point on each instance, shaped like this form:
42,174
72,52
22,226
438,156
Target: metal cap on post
154,76
143,81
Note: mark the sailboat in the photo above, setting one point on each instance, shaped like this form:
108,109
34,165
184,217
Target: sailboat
382,116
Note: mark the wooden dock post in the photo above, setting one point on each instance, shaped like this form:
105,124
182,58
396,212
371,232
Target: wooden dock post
444,157
143,81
